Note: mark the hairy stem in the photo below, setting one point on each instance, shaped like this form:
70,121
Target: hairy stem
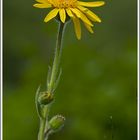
57,57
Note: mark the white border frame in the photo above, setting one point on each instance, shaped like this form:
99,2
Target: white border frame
1,72
1,76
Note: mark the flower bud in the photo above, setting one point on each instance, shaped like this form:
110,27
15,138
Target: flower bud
56,123
45,98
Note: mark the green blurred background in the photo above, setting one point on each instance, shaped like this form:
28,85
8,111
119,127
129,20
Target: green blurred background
99,73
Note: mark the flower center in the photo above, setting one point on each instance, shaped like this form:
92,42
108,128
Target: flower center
63,3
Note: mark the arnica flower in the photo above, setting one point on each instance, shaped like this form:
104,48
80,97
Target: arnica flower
74,9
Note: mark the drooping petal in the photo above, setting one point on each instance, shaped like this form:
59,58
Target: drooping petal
51,15
80,15
77,27
91,4
90,14
46,5
62,14
93,16
69,12
85,19
88,28
76,12
83,9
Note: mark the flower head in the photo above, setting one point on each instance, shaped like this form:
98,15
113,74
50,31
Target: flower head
56,123
74,9
45,98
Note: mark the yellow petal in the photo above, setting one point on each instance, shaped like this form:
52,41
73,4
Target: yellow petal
90,14
62,14
88,28
81,16
93,16
51,15
46,5
69,12
42,1
83,9
77,27
91,4
76,12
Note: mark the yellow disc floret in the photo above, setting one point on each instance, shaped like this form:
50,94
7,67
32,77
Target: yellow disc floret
63,3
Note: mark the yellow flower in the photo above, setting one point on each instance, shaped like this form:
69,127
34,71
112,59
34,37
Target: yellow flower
74,9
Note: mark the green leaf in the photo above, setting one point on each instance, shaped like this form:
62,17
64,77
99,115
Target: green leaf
38,107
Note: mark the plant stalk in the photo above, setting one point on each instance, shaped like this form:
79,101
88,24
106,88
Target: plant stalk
52,80
57,57
41,129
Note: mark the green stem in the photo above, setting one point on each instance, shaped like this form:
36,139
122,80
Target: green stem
57,57
41,129
52,80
